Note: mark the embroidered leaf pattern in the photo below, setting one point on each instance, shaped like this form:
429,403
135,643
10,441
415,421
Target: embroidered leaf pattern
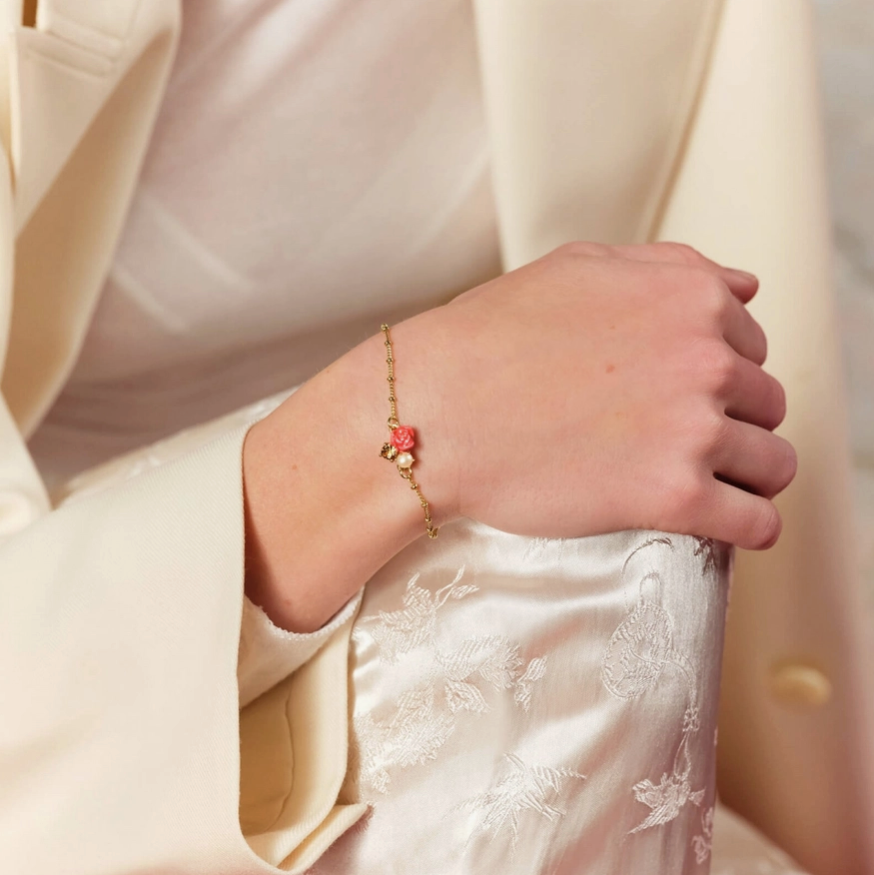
535,670
501,667
426,718
461,696
413,736
523,788
399,632
366,757
703,844
419,729
712,551
494,659
461,591
691,720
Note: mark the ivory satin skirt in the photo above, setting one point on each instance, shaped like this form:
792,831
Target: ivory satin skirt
524,705
531,706
542,707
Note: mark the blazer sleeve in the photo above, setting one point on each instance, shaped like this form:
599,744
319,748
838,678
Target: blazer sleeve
796,723
269,654
122,745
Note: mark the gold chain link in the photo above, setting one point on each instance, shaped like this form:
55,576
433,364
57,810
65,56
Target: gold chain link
393,423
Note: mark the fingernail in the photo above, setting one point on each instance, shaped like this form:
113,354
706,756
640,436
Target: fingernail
745,275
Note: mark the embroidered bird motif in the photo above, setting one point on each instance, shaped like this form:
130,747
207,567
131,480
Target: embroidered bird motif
666,799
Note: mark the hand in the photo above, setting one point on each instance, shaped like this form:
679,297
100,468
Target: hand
599,389
594,390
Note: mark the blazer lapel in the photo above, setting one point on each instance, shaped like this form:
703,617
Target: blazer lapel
84,87
588,105
62,72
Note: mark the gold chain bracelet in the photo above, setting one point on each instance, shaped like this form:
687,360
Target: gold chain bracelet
403,438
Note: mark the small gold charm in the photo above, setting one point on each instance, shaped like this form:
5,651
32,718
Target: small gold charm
388,452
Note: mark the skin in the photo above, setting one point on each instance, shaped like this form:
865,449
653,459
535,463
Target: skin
596,389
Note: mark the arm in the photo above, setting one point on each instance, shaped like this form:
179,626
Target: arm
351,511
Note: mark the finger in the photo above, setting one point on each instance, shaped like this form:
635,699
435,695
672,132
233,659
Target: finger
754,396
743,334
741,518
743,285
755,459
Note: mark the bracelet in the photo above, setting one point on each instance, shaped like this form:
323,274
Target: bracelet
403,438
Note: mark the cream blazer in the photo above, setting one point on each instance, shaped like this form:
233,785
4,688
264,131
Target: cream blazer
692,120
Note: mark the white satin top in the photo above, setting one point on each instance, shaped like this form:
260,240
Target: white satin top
519,705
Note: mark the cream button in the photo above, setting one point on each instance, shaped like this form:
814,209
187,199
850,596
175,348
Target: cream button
794,683
17,511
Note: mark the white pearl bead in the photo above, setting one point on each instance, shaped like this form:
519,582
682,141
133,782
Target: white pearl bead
405,460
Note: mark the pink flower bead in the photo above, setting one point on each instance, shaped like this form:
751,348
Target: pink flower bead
403,438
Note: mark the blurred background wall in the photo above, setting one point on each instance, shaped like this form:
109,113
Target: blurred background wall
846,37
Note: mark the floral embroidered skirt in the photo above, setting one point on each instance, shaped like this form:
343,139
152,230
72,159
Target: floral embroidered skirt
537,706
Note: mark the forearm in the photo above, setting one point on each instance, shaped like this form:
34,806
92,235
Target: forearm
323,510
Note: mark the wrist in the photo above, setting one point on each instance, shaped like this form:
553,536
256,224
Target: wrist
323,510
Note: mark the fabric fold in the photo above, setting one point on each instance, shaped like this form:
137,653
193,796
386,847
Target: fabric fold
269,654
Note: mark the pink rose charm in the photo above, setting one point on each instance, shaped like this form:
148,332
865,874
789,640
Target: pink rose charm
403,438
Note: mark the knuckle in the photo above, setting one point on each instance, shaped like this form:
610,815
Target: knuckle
717,364
683,252
708,297
716,299
578,248
688,500
718,430
710,432
569,250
